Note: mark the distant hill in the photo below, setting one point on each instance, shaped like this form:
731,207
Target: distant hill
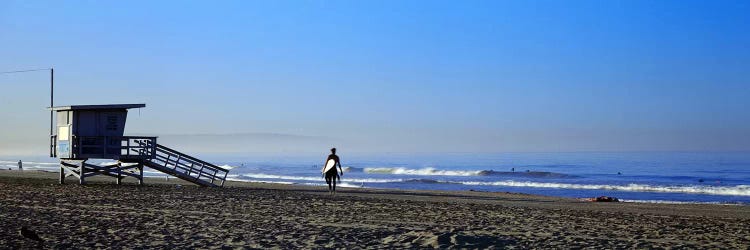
247,143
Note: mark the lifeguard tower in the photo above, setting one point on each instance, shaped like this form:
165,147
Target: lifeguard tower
86,132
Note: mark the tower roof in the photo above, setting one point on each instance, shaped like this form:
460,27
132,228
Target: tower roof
96,107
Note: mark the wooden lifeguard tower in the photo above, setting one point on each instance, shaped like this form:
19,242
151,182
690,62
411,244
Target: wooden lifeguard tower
86,132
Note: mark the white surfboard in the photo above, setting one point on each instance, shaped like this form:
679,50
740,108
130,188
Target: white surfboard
329,165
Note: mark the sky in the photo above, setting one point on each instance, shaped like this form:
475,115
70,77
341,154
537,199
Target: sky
387,76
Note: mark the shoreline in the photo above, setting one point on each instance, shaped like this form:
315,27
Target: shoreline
238,182
176,214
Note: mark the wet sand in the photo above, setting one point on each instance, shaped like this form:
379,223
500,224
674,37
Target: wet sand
173,214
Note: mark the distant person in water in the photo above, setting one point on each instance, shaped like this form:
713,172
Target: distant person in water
332,175
20,165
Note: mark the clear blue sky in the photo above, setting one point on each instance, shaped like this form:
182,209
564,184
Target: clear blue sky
392,76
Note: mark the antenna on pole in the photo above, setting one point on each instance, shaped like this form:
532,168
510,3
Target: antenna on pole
51,98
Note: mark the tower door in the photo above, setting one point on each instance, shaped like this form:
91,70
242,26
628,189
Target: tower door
64,135
63,142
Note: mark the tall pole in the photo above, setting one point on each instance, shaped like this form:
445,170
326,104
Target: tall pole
51,99
51,104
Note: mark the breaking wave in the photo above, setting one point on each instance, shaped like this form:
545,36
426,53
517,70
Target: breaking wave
433,171
680,202
227,167
423,171
110,163
309,178
738,190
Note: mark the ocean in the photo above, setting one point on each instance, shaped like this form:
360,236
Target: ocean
657,177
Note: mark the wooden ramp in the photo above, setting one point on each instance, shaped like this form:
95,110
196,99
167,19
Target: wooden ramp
186,167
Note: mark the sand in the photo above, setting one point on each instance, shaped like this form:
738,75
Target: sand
173,214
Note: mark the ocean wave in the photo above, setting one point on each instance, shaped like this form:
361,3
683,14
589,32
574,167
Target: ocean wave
285,177
739,190
261,181
310,178
433,171
423,171
31,162
29,165
353,169
428,181
155,173
350,185
529,174
341,184
227,167
110,163
681,202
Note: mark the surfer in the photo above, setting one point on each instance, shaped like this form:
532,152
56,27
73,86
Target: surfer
329,170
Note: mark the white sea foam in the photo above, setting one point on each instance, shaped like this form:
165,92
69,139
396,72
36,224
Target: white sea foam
308,178
227,167
739,190
423,171
312,184
42,163
110,163
350,185
284,177
29,162
30,165
149,173
677,202
342,184
263,181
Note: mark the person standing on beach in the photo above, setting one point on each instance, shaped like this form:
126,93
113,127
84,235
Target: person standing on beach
20,165
332,175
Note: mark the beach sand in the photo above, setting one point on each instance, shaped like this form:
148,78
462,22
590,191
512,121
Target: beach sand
173,214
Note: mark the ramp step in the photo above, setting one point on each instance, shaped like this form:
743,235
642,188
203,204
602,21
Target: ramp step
180,175
186,167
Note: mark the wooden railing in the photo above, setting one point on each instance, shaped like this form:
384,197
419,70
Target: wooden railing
114,147
145,150
189,167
